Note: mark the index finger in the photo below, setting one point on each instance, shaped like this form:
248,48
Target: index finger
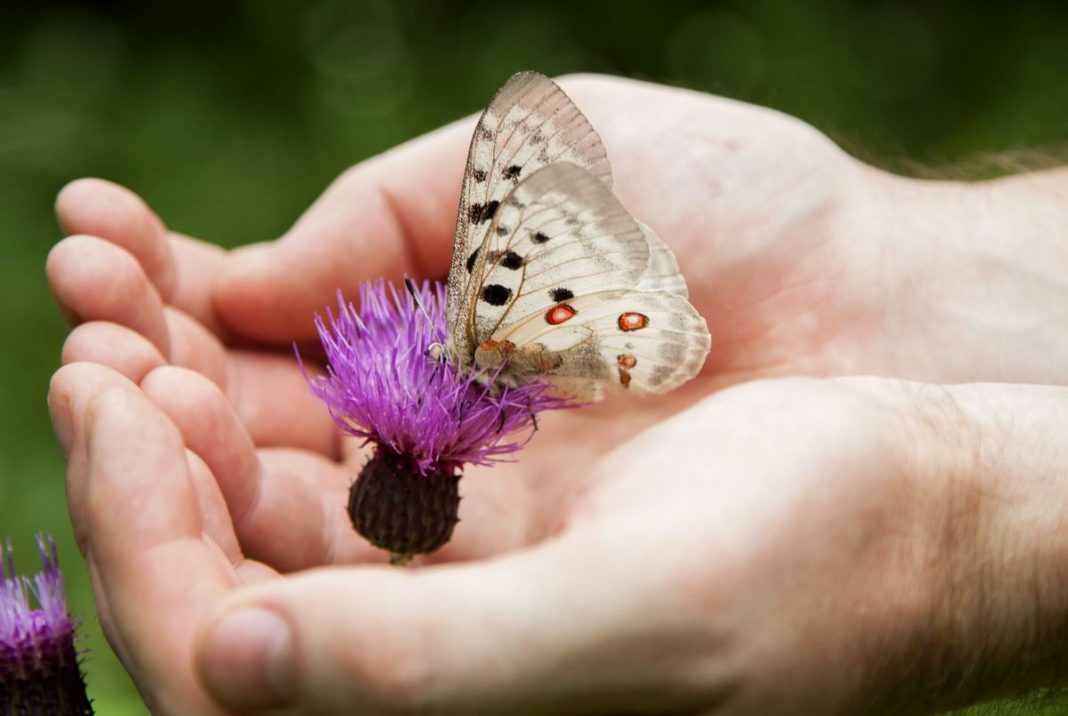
154,571
389,216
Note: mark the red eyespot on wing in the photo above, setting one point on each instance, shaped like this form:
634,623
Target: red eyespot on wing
632,321
558,314
627,361
624,377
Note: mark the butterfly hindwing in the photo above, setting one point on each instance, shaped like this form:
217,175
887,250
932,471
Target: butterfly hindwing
529,124
662,270
646,341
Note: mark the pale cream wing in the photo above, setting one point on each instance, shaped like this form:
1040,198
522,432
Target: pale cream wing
585,294
529,124
645,341
559,234
662,272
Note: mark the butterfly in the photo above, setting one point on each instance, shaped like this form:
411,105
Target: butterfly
550,277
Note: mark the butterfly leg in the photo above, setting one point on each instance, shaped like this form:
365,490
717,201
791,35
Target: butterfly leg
533,420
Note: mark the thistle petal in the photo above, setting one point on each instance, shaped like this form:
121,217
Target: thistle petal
381,385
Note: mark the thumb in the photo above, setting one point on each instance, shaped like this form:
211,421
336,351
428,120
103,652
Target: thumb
548,630
388,216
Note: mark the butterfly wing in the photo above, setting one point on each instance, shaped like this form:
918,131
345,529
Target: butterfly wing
529,124
662,271
559,233
644,341
584,293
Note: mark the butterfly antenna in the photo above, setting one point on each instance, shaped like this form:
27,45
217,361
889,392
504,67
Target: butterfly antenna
414,293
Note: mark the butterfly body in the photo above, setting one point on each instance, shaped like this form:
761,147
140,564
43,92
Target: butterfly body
551,277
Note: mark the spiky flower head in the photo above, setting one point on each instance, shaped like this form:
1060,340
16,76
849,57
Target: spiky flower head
427,417
40,671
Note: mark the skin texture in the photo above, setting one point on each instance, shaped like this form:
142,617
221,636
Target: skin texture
784,546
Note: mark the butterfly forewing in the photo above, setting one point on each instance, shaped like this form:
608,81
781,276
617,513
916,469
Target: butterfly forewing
529,124
560,233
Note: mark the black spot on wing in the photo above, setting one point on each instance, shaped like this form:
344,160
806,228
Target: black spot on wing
472,259
502,230
512,172
559,295
539,238
480,213
496,294
512,261
479,175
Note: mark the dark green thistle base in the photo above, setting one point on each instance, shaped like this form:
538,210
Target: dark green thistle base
401,510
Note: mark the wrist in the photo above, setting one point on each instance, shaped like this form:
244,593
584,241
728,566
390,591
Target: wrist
974,275
997,543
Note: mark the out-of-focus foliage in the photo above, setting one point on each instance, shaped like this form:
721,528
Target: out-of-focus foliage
230,117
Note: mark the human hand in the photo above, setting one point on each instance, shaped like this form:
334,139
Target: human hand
146,298
797,288
788,244
843,570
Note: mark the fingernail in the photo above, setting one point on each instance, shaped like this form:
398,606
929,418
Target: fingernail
246,659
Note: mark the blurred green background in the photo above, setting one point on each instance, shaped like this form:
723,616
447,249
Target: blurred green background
230,117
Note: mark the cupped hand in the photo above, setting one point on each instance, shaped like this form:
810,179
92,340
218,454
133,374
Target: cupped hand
750,200
779,235
718,562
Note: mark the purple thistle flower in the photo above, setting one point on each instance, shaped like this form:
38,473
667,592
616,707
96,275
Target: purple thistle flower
427,417
40,671
382,386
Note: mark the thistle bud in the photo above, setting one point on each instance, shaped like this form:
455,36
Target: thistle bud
40,668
